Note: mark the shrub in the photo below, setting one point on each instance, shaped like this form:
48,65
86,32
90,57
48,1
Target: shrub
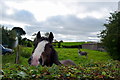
111,35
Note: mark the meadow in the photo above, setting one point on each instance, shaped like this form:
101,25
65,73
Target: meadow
98,65
63,54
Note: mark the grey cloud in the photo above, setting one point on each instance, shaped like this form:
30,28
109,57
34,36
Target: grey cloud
32,29
22,16
69,26
95,6
3,8
72,25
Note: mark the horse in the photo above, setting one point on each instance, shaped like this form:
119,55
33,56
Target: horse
67,62
82,53
44,52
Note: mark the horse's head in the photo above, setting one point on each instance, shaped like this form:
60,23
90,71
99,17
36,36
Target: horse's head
43,52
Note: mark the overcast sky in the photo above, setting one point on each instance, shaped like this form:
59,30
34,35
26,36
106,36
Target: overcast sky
69,20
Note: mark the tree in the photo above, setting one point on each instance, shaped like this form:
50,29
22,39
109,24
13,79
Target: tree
110,37
27,42
19,32
47,34
5,39
59,43
8,37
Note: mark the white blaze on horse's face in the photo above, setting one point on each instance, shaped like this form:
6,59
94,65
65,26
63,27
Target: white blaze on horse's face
38,52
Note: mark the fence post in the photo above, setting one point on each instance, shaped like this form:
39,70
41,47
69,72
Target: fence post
17,52
17,56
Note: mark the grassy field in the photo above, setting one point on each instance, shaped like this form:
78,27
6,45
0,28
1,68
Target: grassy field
98,65
69,43
72,43
63,53
72,54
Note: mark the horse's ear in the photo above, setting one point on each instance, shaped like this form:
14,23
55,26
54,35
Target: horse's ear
51,37
38,35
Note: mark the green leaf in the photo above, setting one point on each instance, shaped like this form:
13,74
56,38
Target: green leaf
103,73
22,74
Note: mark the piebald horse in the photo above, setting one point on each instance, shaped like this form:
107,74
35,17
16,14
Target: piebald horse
44,52
82,53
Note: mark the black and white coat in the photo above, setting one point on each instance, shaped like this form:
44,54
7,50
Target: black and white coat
82,53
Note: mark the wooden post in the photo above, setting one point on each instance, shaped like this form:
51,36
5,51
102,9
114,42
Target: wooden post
17,55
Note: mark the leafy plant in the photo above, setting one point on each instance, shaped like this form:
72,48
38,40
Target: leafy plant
106,70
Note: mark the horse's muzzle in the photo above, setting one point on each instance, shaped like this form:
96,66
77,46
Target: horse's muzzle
34,62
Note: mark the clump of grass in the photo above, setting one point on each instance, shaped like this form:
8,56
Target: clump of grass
8,59
25,51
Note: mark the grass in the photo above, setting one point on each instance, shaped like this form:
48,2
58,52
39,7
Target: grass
8,59
98,65
72,43
63,54
94,56
24,52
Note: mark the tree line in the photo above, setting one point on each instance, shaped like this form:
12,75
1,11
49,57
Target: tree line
10,36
